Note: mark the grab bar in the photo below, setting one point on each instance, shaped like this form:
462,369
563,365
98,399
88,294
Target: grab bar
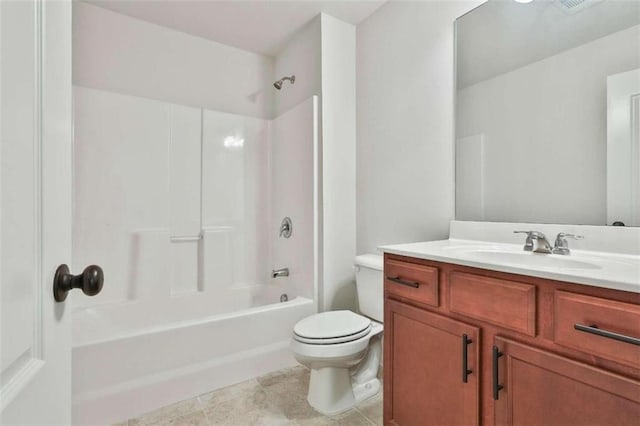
185,238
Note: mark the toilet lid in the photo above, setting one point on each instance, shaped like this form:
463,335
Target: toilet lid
332,327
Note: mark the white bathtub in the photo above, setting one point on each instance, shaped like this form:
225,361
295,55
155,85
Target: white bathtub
123,376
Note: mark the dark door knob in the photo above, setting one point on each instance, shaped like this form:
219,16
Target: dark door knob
90,281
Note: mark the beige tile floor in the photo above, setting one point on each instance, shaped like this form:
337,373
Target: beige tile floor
278,398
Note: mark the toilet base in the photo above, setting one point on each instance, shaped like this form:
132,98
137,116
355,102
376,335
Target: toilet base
366,390
331,390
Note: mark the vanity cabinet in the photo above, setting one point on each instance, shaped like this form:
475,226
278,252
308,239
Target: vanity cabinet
433,359
467,346
542,388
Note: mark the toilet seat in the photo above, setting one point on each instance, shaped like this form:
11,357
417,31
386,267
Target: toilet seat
330,328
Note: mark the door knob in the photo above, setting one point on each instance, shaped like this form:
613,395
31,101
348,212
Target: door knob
90,281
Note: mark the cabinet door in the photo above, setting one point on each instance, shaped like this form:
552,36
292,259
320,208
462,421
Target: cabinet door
540,388
425,382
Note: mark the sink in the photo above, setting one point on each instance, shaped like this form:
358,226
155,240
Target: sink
529,259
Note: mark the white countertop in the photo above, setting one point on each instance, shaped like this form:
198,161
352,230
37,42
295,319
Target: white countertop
608,270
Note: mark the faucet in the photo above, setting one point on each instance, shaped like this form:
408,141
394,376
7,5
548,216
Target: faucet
561,245
284,272
535,242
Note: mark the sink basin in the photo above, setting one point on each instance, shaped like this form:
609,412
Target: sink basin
530,259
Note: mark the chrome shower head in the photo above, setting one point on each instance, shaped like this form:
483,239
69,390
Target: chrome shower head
278,84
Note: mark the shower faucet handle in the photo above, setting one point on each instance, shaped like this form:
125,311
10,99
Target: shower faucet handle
286,227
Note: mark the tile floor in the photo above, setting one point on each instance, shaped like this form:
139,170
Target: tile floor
278,398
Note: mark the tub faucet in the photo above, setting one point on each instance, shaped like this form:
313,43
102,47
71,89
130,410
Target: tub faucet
284,272
536,242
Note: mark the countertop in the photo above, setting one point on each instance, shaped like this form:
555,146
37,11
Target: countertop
608,270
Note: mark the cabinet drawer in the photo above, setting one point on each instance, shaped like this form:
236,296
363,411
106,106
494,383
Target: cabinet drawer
413,281
601,327
505,303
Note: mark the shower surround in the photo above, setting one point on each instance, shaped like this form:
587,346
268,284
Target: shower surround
181,207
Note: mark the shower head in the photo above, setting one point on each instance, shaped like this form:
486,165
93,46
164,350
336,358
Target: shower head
278,84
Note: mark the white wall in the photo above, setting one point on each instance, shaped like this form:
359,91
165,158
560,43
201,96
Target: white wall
121,54
338,163
545,139
405,122
301,57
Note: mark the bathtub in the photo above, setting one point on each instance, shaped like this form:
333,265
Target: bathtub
119,376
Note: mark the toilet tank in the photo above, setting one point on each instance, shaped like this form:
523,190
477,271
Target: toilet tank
370,283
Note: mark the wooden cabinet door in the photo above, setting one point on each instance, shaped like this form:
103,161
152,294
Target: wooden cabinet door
424,358
540,388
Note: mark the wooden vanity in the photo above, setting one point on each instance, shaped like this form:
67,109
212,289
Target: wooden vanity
467,346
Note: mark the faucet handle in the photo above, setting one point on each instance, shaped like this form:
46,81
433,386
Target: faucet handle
528,245
561,245
574,236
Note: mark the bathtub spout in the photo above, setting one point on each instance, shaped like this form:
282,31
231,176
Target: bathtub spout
284,272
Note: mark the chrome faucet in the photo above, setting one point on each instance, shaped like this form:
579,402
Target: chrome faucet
284,272
535,242
561,245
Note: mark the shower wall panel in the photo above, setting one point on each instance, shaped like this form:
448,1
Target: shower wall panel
184,170
235,196
121,174
173,203
294,180
182,206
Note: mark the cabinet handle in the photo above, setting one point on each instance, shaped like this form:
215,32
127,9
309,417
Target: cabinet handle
465,366
413,284
496,386
593,329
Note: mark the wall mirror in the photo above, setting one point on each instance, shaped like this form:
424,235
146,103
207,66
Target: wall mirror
548,112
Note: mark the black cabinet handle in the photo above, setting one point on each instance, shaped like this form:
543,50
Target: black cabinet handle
413,284
465,366
593,329
90,281
496,386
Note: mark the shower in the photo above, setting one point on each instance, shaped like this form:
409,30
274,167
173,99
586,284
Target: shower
278,84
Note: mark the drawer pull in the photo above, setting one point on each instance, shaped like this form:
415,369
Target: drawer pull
593,329
465,365
413,284
497,387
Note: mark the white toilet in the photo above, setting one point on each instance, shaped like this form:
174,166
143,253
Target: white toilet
343,349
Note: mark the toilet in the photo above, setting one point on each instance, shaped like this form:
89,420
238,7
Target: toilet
342,348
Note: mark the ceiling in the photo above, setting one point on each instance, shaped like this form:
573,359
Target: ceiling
257,26
501,35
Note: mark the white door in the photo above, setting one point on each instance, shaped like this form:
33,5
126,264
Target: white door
35,210
623,148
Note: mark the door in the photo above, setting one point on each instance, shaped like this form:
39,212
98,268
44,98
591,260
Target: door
541,388
35,210
623,148
431,368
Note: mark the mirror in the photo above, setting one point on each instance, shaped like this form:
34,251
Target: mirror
540,91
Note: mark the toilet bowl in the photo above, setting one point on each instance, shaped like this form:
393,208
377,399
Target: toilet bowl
343,349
